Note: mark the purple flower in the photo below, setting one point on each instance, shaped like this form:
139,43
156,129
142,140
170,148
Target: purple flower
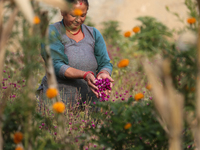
93,125
95,146
5,87
4,71
123,99
55,133
43,124
150,98
94,103
40,127
70,123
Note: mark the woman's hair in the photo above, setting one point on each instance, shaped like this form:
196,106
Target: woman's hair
83,1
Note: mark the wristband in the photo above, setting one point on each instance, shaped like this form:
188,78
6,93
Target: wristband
84,76
99,73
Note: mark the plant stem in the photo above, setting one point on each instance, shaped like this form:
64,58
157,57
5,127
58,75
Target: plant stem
198,88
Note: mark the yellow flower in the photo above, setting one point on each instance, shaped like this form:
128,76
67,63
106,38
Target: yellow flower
59,107
191,20
138,96
36,20
149,87
123,63
136,29
127,34
78,12
18,136
18,148
51,92
127,126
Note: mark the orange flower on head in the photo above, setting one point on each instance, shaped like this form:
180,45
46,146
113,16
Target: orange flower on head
127,34
123,63
191,20
18,136
59,107
136,29
36,20
138,96
149,87
51,92
127,126
19,148
78,12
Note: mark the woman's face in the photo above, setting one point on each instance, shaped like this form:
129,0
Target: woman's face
72,21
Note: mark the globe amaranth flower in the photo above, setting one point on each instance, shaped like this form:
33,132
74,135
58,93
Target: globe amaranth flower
78,12
59,107
136,29
127,34
138,96
18,136
19,148
191,20
36,20
127,126
123,63
51,92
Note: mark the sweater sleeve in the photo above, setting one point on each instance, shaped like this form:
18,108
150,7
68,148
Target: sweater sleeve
101,53
59,58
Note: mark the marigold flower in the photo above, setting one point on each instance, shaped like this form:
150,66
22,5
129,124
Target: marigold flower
59,107
127,126
138,96
19,148
136,29
18,136
51,92
123,63
149,87
78,12
127,34
191,20
36,20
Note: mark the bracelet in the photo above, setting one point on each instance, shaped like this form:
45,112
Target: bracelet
99,73
84,76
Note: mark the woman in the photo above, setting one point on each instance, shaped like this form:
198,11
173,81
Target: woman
79,54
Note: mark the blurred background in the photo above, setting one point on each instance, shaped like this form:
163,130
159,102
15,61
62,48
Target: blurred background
125,12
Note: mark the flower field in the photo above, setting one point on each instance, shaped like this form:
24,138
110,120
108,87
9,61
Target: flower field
154,103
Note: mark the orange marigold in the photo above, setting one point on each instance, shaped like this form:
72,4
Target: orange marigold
36,20
127,34
127,126
138,96
18,136
149,87
136,29
191,20
19,148
123,63
59,107
51,92
78,12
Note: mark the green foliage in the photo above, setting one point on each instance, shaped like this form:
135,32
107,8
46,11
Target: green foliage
111,32
153,36
145,131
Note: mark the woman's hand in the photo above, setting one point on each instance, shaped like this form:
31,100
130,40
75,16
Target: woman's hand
105,75
91,83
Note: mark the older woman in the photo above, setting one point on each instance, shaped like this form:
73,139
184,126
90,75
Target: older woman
79,53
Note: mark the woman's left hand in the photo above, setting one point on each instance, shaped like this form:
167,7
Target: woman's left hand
105,75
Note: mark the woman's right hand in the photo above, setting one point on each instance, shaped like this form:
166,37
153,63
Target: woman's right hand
90,79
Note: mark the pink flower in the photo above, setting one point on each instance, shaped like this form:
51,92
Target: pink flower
5,87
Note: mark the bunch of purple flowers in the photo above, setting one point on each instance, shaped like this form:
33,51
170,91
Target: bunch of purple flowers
103,85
